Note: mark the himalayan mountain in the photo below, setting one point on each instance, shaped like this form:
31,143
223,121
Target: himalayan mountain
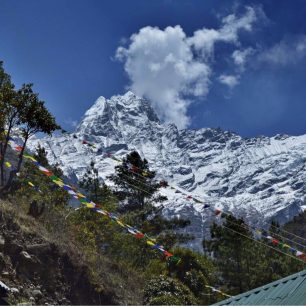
259,178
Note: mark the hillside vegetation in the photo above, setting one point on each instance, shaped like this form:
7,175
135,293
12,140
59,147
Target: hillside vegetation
52,253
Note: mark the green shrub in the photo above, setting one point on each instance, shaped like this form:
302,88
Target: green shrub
163,290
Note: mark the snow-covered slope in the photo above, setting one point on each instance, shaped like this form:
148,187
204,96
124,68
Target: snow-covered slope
258,178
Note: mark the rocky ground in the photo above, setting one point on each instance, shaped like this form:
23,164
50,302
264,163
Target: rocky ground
38,272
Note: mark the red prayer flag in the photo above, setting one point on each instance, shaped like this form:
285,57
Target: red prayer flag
303,256
275,241
48,173
217,212
18,148
167,254
139,235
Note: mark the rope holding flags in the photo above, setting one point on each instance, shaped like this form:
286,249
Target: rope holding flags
219,212
95,207
263,234
276,242
213,289
137,234
9,165
85,142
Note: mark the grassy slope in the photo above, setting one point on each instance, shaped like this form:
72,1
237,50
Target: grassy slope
103,280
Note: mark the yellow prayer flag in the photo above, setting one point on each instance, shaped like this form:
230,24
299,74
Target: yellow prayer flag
59,183
31,184
150,243
30,157
150,239
89,205
8,164
120,223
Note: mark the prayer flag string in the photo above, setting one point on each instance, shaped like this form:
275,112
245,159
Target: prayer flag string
213,289
219,212
95,207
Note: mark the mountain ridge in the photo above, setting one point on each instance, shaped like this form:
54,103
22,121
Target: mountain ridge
258,178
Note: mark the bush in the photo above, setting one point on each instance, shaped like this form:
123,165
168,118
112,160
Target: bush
165,300
163,290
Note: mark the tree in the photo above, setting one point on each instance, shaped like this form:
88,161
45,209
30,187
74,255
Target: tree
135,182
91,182
41,156
163,290
242,262
195,271
233,253
96,189
136,188
33,117
9,111
44,190
297,227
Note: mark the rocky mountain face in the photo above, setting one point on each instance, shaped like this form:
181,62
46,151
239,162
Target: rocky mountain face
258,178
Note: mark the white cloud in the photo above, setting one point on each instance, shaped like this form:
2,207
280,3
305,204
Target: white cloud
288,51
204,40
169,68
240,57
162,67
229,80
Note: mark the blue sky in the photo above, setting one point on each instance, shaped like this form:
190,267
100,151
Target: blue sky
238,65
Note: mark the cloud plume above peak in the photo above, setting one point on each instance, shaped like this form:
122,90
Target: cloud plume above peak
162,67
171,69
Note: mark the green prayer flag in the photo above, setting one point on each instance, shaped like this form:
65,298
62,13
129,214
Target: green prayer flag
54,178
174,259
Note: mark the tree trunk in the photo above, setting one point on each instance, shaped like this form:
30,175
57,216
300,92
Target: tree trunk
8,185
1,165
3,149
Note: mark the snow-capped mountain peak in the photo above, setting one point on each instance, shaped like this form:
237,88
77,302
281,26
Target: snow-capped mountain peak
126,114
258,178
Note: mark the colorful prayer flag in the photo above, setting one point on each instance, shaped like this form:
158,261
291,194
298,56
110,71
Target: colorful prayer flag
8,164
217,212
150,243
139,235
275,241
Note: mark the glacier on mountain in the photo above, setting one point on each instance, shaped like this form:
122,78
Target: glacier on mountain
258,178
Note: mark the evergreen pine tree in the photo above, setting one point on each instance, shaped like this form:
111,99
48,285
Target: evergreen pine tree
243,263
297,227
96,189
41,157
136,189
135,182
233,253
